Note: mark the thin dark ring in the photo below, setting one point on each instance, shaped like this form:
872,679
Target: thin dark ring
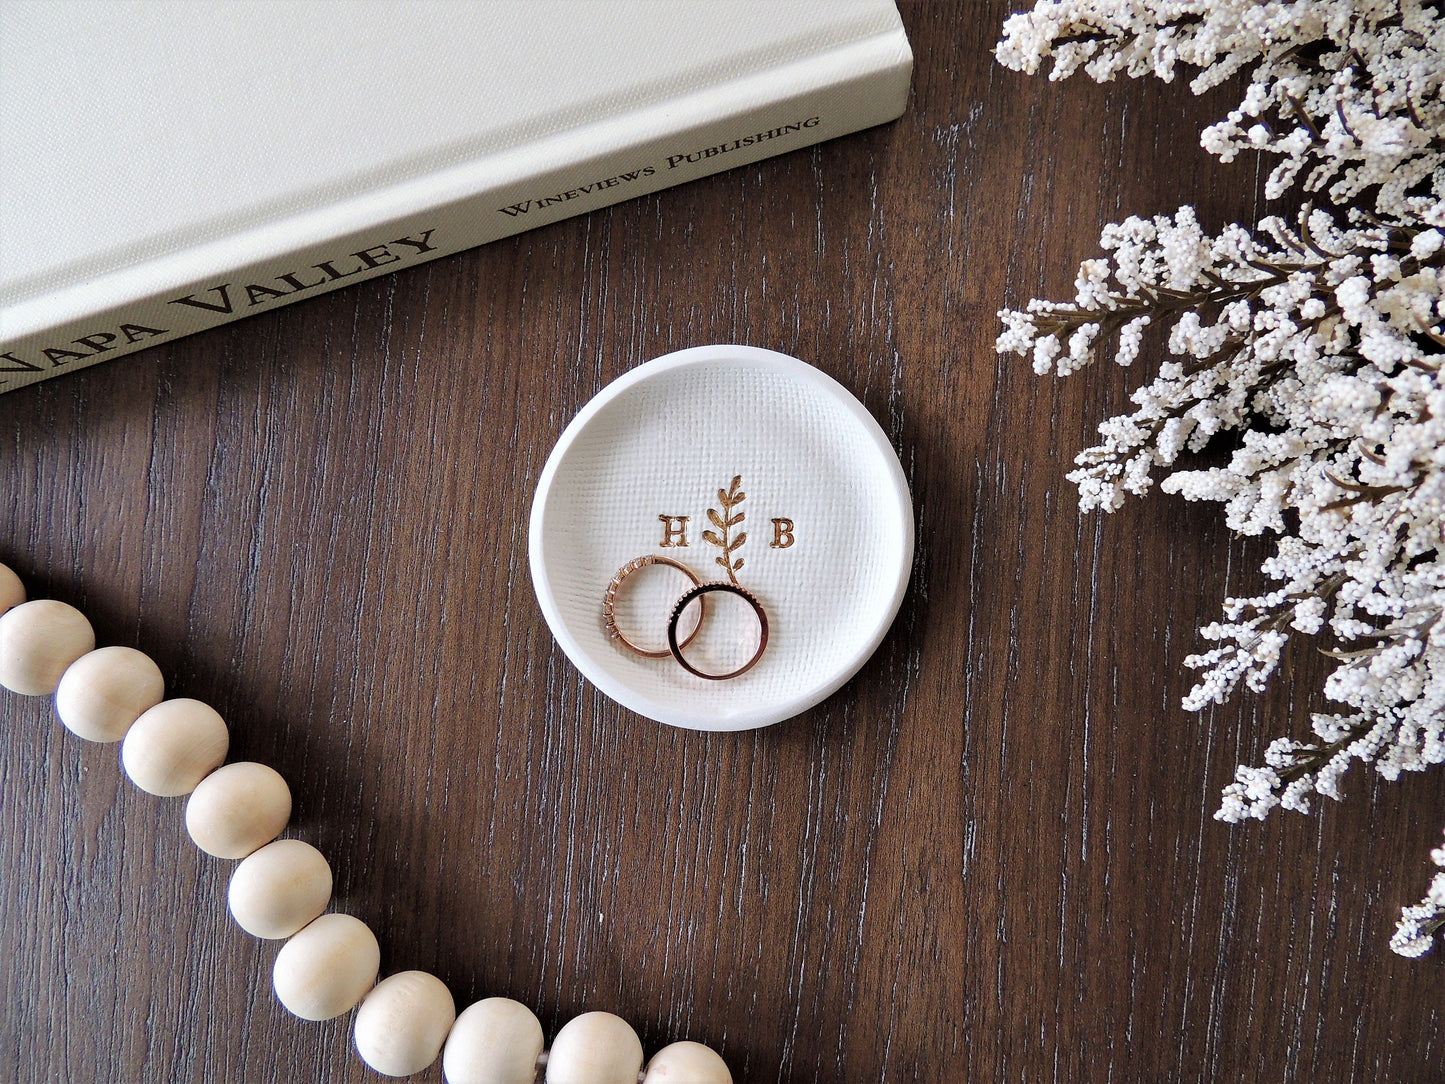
697,593
609,599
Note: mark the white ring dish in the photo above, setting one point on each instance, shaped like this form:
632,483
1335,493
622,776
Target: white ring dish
660,442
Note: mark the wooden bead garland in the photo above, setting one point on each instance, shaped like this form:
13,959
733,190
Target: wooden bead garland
496,1041
104,691
12,591
402,1024
326,968
595,1048
38,642
237,809
173,746
330,963
279,889
687,1063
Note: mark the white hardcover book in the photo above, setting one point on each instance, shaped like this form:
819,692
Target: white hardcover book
168,166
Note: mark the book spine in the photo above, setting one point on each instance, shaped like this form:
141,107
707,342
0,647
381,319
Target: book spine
735,124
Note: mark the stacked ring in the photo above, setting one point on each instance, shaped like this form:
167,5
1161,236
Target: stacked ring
675,642
697,593
609,602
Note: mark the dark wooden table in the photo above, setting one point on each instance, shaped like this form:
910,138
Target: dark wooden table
989,857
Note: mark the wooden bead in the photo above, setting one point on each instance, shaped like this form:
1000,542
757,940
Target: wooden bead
327,967
495,1041
103,692
687,1063
173,746
280,889
402,1024
12,591
38,640
595,1048
237,809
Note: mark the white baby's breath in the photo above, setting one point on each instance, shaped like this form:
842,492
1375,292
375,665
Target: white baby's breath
1317,341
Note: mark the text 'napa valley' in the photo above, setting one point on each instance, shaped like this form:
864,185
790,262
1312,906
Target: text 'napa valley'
225,300
673,161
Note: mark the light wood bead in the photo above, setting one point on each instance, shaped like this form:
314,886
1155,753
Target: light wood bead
495,1041
402,1024
237,809
595,1048
12,591
38,641
103,692
687,1063
327,967
173,746
279,889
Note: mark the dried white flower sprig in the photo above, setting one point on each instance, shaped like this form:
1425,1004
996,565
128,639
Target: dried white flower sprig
1318,342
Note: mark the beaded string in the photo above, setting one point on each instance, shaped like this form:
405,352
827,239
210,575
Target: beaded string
281,888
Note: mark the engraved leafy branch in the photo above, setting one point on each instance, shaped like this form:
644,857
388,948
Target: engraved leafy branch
725,522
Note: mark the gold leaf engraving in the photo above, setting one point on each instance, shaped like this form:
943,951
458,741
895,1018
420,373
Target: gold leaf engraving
725,521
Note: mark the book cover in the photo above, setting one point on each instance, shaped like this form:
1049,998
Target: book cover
169,167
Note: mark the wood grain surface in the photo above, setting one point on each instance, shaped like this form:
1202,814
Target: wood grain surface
990,857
